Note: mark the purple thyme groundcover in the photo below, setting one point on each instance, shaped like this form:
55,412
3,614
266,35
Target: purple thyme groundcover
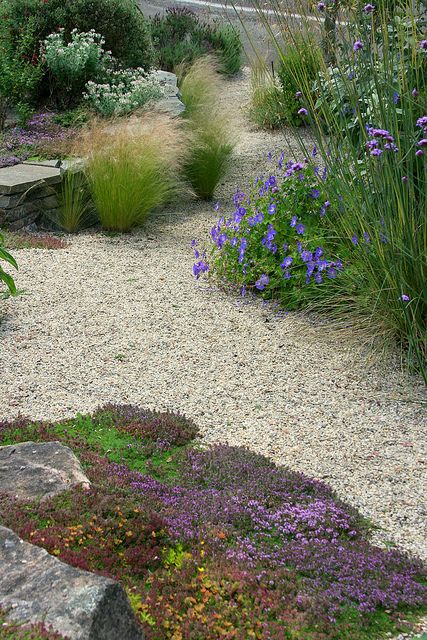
218,541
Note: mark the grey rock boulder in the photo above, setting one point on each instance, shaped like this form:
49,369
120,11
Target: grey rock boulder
31,470
173,106
36,587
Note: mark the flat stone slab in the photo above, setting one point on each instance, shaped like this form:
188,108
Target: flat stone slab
44,163
21,177
30,470
36,587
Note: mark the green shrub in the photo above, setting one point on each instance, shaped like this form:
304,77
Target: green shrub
277,242
267,108
300,59
132,170
123,91
20,74
180,37
27,23
211,144
72,65
225,40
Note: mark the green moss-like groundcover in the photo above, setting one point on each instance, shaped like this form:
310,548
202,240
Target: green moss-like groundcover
212,543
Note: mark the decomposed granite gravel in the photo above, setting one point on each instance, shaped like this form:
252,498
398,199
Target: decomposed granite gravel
121,319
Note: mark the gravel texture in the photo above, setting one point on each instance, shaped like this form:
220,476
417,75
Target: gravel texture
121,319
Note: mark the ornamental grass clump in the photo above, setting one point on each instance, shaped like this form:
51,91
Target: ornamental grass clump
211,140
75,208
132,168
216,541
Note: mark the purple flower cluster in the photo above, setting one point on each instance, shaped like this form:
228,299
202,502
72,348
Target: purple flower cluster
200,266
19,143
261,222
380,140
271,518
422,124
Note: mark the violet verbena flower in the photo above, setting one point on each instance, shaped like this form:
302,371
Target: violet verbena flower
404,178
423,45
321,6
298,94
419,153
262,282
357,45
302,112
368,8
422,143
422,123
405,297
415,93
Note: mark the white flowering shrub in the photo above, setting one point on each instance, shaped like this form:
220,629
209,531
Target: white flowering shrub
71,65
125,91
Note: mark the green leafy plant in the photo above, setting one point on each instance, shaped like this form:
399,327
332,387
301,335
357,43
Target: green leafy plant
20,74
122,92
26,24
71,65
132,170
5,277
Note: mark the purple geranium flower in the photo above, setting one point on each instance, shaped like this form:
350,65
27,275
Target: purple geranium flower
287,262
357,45
262,282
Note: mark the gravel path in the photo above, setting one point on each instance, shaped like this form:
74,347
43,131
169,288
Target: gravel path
121,319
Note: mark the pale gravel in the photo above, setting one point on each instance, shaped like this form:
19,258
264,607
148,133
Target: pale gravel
121,319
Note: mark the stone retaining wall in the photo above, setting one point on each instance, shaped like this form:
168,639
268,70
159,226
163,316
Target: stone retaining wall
26,192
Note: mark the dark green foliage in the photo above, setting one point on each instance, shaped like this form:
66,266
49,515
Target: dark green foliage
180,37
26,23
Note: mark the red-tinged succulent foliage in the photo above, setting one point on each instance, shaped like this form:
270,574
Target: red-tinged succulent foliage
12,631
216,543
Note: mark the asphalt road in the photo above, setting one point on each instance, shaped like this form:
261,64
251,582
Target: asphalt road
254,34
